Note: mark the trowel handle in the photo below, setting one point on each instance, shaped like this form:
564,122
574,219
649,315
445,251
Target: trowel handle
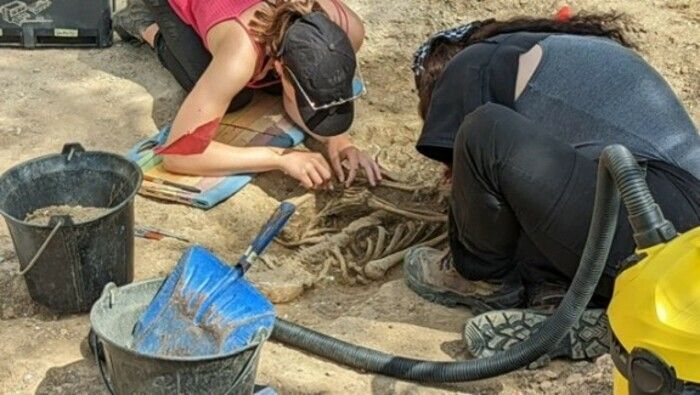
268,232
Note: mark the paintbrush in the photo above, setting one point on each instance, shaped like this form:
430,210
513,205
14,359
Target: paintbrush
169,183
166,196
165,188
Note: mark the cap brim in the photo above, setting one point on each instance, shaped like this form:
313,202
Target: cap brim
328,122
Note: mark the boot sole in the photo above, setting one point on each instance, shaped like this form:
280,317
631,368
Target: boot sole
493,333
477,305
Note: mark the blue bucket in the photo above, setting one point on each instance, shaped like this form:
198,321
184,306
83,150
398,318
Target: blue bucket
145,342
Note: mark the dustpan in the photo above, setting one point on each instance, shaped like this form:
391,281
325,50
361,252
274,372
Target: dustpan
206,307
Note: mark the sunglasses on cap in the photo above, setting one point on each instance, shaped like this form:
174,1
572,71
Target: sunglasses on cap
358,90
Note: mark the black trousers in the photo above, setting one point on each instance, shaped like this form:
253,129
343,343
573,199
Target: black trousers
181,51
522,200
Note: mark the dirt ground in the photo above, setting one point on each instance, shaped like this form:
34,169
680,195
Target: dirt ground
108,99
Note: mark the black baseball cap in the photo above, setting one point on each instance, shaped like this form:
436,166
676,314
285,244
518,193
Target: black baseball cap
320,57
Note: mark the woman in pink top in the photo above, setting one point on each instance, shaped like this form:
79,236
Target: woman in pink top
222,50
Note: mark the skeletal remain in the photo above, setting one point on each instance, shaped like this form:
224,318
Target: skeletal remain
396,238
341,262
390,182
423,215
381,237
404,235
266,261
402,186
386,173
315,220
312,253
297,243
300,200
369,251
370,245
321,231
324,270
359,277
376,269
355,249
363,198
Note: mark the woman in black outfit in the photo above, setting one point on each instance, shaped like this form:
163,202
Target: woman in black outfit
519,111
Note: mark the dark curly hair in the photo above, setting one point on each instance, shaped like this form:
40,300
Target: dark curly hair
602,25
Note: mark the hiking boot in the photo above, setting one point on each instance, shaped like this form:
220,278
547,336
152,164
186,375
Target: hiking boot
132,20
545,296
431,274
496,331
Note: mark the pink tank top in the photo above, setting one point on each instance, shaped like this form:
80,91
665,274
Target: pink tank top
202,15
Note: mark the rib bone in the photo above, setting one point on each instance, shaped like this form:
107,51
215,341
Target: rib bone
376,269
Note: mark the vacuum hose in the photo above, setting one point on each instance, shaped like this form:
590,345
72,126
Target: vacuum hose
618,167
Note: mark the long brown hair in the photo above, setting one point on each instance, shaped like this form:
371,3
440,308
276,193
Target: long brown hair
602,25
270,23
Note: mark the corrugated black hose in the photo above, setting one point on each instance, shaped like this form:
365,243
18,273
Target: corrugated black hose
618,167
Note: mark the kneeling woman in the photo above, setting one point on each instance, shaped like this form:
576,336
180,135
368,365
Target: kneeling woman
221,50
519,111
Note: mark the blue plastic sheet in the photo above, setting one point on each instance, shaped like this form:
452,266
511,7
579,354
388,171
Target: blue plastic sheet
205,307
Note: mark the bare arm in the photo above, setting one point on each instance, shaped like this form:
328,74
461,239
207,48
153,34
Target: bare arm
232,66
356,29
527,64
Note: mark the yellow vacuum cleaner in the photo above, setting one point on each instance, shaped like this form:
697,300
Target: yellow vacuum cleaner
654,313
655,319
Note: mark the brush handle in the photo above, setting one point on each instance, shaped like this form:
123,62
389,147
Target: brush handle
268,232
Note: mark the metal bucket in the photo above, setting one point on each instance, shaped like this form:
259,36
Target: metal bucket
126,371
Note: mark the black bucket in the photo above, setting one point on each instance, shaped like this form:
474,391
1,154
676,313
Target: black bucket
66,265
126,371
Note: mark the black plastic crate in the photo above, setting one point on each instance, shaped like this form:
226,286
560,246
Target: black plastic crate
55,23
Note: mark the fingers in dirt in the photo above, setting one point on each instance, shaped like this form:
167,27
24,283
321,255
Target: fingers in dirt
338,167
352,170
306,181
377,170
323,168
325,172
369,171
315,176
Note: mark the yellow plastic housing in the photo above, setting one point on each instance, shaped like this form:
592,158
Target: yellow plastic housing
656,305
620,384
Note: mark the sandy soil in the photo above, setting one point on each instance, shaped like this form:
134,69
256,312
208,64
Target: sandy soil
108,99
78,214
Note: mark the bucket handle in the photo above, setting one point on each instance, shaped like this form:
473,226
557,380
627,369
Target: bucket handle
100,359
109,292
260,337
70,149
58,221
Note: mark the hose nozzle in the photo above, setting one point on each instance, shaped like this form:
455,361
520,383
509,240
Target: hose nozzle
649,225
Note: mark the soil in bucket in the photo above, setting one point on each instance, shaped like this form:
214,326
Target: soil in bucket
78,214
67,261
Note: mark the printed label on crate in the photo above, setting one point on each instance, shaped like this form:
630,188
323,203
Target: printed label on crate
65,32
18,12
